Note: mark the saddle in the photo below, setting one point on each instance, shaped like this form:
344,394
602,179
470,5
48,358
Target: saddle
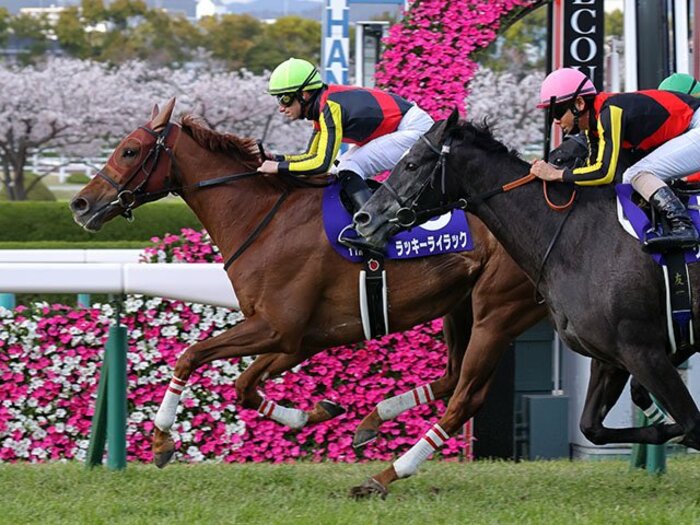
638,219
445,234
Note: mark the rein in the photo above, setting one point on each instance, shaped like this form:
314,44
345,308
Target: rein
408,215
152,169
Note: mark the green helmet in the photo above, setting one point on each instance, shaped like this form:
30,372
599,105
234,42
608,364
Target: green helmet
293,75
682,83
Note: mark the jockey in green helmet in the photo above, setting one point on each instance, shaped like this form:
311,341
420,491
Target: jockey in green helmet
682,83
380,127
291,78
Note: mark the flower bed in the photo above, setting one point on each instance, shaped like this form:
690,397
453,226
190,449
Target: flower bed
428,53
50,359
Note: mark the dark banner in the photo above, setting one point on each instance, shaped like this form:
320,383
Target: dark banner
583,38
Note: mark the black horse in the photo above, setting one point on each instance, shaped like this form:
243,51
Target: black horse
605,296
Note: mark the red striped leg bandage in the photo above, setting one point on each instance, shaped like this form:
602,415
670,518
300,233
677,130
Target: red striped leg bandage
166,413
408,464
291,417
392,407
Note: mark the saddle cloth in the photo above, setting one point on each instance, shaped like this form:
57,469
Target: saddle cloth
637,223
448,233
679,316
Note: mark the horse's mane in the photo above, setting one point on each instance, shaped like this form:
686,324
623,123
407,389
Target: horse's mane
238,148
481,136
228,143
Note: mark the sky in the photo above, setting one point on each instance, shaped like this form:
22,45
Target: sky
611,5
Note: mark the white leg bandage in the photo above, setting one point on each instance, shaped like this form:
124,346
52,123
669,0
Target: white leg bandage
392,407
408,464
291,417
166,413
657,417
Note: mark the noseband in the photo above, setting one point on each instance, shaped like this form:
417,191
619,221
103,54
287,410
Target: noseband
155,182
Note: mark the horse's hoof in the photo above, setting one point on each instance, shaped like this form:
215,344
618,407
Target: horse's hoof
332,408
369,488
163,458
364,437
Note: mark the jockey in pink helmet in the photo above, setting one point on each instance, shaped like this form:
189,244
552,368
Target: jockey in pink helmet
661,129
565,85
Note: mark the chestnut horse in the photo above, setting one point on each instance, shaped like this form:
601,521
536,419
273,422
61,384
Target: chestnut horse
299,296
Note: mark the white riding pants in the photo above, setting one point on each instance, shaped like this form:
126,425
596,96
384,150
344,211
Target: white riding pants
383,153
676,158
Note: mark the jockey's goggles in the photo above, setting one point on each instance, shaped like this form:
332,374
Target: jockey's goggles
559,110
286,99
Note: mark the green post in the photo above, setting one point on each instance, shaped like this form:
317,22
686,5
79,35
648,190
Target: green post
650,457
7,300
109,419
98,429
84,300
116,397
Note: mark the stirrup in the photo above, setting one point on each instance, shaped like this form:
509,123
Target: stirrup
669,242
358,243
361,244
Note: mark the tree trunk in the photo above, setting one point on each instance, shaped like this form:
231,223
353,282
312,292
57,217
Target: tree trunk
19,192
7,180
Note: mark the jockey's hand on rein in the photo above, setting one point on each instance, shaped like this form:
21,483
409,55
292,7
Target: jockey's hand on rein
269,166
546,171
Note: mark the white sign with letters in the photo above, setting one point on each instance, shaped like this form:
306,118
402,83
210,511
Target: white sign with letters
336,42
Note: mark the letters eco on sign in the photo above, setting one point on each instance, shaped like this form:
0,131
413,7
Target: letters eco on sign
583,38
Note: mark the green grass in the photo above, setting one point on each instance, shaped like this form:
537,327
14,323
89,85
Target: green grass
561,492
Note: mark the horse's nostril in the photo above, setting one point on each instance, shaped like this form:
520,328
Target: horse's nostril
80,205
362,218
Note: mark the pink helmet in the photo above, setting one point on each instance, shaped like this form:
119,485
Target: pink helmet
565,84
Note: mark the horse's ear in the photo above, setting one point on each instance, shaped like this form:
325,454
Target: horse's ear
155,111
449,124
163,116
452,120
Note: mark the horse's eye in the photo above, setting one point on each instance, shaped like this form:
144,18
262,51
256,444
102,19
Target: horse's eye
411,166
129,153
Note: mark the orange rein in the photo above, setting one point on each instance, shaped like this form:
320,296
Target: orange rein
529,178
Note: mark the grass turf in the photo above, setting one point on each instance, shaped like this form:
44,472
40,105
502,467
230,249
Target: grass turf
558,492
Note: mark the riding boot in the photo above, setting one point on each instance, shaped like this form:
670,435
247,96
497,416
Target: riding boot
355,188
682,232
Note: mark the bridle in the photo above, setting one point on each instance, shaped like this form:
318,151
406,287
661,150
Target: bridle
409,214
150,181
156,182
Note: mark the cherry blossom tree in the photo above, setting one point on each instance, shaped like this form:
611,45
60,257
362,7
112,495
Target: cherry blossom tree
78,108
508,105
238,102
65,105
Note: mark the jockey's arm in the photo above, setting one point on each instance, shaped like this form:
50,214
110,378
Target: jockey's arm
602,171
329,137
311,150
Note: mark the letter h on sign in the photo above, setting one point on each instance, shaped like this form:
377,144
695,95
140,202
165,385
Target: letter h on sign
336,42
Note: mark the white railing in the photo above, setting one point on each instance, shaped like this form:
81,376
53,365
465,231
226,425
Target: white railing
62,166
112,272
